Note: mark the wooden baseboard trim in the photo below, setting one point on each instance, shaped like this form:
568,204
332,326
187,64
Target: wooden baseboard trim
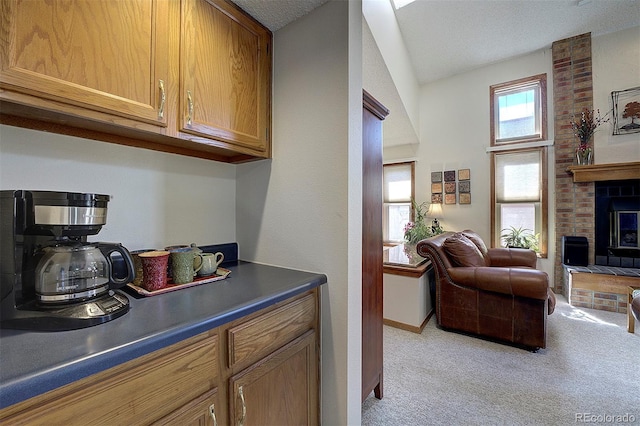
407,327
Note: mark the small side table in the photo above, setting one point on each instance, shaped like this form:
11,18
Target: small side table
630,318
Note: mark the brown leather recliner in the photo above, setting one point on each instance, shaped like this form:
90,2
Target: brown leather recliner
496,293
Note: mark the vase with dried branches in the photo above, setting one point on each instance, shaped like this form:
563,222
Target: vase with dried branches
583,129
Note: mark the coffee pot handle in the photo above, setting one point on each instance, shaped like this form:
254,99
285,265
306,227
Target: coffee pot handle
106,250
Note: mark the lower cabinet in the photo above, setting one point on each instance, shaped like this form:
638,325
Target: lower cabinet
262,369
280,389
138,392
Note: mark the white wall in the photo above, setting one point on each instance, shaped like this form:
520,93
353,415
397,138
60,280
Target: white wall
303,208
381,19
616,67
454,126
156,197
454,134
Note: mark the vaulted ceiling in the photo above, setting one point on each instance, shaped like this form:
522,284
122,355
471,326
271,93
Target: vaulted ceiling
449,37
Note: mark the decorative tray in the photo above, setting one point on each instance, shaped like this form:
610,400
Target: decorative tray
220,274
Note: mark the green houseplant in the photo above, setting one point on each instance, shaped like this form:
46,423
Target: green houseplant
418,230
520,238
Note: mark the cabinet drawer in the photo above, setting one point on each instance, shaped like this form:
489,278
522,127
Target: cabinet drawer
263,334
200,412
137,392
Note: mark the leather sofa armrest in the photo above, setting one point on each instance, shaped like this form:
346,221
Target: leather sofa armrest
505,257
521,282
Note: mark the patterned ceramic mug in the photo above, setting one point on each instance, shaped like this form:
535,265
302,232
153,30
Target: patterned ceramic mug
154,267
182,262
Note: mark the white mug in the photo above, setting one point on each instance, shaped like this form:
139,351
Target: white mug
210,262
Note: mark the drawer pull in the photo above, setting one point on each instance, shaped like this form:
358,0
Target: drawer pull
244,407
189,107
212,413
163,98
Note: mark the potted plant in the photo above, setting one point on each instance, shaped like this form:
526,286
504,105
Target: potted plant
418,230
520,238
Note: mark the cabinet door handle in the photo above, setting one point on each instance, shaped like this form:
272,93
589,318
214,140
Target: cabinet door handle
189,107
212,413
163,98
244,407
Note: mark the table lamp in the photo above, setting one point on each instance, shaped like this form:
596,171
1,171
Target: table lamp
435,212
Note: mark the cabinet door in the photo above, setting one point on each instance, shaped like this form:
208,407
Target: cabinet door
281,389
102,55
199,412
225,75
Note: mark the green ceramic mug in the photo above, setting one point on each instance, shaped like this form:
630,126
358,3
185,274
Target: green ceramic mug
182,265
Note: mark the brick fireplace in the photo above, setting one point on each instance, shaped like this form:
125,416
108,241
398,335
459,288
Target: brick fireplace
572,92
575,199
605,284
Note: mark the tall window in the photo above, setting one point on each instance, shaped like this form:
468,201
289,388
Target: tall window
398,190
519,164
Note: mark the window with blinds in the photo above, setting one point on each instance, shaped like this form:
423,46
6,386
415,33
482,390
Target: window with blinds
519,184
518,190
398,191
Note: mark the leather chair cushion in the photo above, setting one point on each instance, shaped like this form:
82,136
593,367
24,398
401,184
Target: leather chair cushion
462,251
475,238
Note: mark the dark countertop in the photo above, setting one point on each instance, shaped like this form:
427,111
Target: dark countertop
397,256
32,363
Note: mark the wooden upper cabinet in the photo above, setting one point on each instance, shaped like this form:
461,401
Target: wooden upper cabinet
102,55
225,86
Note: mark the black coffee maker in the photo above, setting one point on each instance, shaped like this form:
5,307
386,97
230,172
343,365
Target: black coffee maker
51,278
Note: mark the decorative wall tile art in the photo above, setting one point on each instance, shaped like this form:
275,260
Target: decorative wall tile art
454,191
450,187
436,187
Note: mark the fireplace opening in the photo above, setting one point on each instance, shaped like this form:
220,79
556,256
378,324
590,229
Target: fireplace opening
625,229
616,218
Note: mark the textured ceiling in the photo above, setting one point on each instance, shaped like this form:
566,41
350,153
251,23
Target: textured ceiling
449,37
275,14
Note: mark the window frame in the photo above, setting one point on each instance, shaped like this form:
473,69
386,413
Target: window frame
514,145
544,198
385,217
539,80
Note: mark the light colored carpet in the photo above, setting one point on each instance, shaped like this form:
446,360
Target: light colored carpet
589,371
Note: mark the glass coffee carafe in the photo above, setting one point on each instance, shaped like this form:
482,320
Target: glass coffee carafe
79,271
